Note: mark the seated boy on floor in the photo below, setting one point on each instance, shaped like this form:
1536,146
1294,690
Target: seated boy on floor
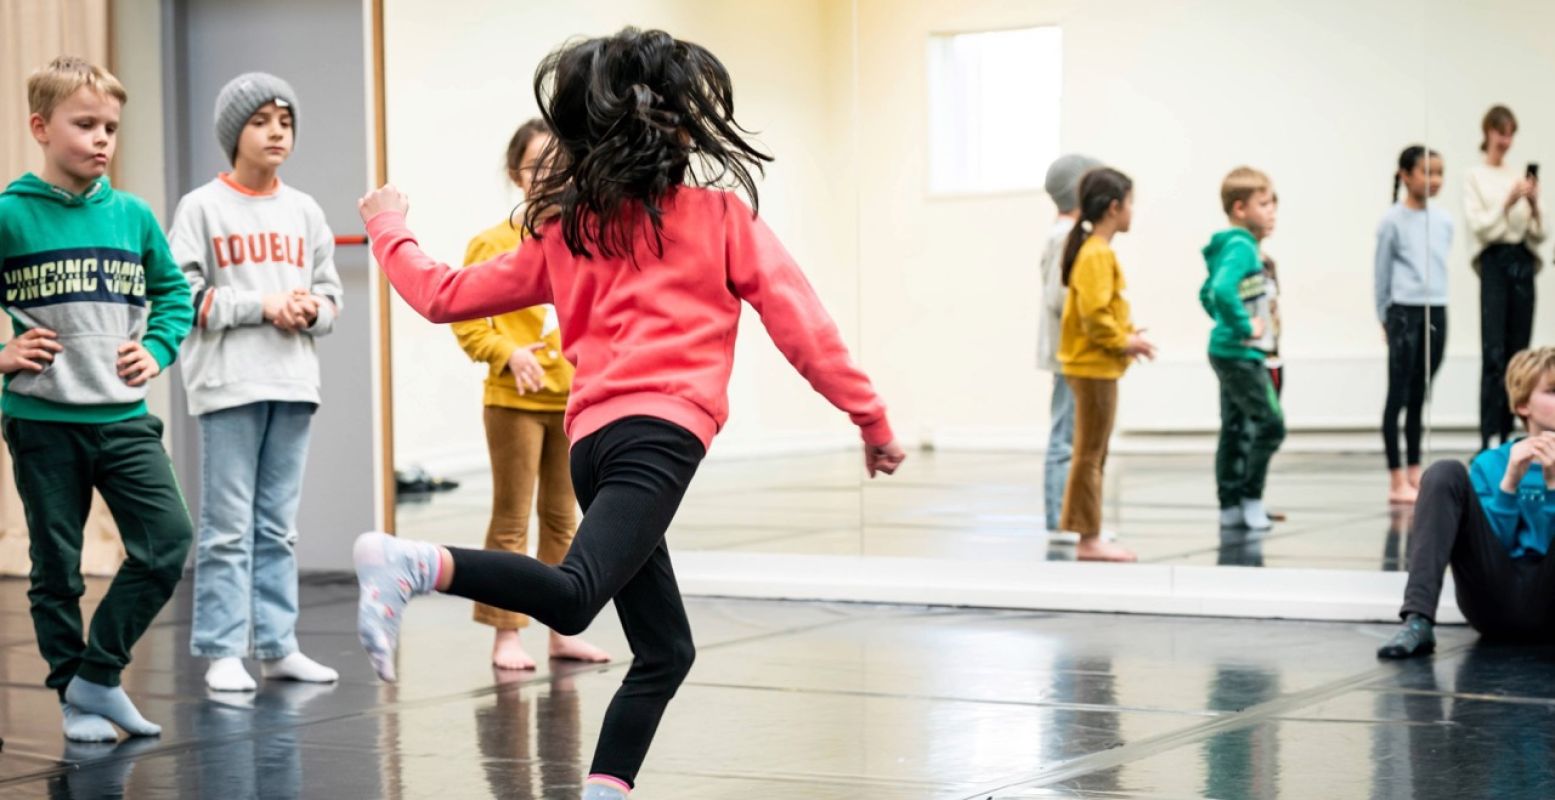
1492,523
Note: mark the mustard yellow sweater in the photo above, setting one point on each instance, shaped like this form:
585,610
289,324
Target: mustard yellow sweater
1096,325
492,340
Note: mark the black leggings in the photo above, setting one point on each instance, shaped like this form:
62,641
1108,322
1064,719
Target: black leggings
1506,297
630,477
1407,359
1500,596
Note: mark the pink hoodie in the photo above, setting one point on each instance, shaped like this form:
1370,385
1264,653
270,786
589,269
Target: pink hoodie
656,338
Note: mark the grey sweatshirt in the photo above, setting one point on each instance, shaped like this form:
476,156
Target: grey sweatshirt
236,247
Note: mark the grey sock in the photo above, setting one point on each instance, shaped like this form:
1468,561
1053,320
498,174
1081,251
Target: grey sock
1231,517
1254,515
83,727
110,702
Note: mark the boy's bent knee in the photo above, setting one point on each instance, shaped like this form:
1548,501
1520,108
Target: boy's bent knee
1450,475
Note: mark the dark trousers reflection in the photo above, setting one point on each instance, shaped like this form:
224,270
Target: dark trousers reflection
1240,547
525,733
1244,762
1488,735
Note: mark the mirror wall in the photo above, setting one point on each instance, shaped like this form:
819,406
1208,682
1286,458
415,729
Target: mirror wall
912,141
1321,97
783,474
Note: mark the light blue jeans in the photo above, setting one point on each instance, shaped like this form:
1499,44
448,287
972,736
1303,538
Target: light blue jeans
245,570
1060,450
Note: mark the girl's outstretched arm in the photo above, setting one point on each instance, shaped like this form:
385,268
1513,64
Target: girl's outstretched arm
763,274
509,282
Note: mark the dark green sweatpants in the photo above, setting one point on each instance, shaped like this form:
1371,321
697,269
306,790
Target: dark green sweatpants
1252,426
57,466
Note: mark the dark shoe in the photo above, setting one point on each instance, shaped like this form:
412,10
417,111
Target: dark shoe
1416,637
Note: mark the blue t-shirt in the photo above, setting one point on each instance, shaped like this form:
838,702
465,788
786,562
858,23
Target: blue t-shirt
1521,521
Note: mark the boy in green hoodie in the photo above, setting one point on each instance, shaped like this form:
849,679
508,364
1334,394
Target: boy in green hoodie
81,265
1236,296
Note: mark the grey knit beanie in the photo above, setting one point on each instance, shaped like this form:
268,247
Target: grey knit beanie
240,98
1063,179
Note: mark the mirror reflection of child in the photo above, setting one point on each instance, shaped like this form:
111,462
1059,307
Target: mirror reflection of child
1236,295
1413,241
1097,344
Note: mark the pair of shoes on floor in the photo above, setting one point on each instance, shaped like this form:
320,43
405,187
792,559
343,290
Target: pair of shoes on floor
228,674
417,480
1416,637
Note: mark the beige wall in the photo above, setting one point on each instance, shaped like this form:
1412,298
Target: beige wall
32,33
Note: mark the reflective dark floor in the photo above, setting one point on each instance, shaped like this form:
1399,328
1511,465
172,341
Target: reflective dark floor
803,700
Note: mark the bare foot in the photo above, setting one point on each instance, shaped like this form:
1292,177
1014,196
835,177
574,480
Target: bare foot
572,648
1414,476
1400,490
1092,548
508,653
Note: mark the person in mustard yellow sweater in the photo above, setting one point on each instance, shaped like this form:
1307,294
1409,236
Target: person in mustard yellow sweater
1097,342
525,402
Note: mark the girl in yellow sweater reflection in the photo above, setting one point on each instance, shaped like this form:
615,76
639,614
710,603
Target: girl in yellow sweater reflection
525,401
1097,342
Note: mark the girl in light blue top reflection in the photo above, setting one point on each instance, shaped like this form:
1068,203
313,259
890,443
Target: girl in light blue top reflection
1411,279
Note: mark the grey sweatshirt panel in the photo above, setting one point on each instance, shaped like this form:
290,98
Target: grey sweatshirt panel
235,249
86,371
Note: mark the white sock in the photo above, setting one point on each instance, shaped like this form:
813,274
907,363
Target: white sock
1232,517
1257,518
298,667
228,675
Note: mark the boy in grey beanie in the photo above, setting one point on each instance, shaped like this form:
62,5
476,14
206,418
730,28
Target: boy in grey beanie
1063,185
259,257
244,95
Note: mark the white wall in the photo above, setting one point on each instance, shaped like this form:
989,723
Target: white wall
459,81
1321,94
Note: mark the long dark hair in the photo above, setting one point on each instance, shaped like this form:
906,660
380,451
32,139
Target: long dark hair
1407,161
1099,189
633,116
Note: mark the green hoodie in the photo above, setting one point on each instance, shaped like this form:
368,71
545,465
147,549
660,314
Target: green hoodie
1234,290
86,266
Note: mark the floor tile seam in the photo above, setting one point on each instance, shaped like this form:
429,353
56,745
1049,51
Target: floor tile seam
930,698
734,547
1473,696
1172,740
1013,528
807,778
1273,537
